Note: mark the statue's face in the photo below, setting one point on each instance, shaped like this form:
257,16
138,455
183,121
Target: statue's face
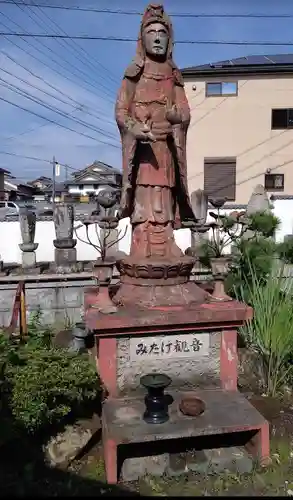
156,39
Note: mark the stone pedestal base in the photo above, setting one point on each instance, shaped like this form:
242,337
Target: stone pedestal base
167,295
28,259
65,259
157,282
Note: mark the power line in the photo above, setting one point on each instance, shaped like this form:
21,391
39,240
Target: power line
78,76
91,59
34,158
39,101
75,103
125,39
56,123
138,13
3,139
66,44
221,187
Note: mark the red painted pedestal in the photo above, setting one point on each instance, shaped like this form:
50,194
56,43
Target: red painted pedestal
223,317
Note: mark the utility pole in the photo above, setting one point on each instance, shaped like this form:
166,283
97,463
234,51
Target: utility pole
54,181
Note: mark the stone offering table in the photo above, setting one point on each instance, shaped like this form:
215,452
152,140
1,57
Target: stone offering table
226,413
196,347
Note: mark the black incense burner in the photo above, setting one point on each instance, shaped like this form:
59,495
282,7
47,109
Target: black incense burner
156,401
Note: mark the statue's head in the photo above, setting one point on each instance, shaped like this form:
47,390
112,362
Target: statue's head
156,39
156,35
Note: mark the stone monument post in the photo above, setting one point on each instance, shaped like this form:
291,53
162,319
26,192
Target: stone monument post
27,221
65,251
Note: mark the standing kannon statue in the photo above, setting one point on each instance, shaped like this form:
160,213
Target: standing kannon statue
153,116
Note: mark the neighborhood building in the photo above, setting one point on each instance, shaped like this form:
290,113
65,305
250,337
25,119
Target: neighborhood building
92,179
83,185
241,130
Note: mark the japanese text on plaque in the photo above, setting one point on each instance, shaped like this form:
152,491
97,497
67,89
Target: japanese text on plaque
167,347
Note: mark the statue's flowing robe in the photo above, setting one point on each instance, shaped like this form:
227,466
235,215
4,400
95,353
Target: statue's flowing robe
142,98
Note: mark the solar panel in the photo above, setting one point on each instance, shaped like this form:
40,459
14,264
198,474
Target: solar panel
282,58
240,61
258,59
249,60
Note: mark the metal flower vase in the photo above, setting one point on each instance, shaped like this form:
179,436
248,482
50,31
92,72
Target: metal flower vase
220,267
103,272
103,223
156,401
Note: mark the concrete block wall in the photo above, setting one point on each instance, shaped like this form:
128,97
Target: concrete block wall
60,303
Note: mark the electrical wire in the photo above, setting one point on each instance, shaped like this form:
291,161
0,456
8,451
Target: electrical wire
138,13
75,103
25,94
90,58
125,39
276,167
56,123
66,44
51,59
13,137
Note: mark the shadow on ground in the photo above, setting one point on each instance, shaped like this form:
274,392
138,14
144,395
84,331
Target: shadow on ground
24,471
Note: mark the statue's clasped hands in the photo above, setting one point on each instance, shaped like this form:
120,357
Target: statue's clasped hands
143,133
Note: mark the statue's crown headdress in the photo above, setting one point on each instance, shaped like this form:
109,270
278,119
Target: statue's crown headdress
155,13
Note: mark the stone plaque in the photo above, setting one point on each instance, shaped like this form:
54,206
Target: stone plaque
189,345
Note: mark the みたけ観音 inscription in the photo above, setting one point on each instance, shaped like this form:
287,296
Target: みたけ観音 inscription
170,346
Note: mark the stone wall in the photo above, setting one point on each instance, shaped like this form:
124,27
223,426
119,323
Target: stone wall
59,301
186,369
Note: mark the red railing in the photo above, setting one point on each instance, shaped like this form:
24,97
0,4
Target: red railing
18,312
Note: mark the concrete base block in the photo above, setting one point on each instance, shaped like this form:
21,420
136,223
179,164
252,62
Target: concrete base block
177,464
28,259
65,256
235,460
135,468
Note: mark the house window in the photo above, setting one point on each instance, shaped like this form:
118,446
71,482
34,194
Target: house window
282,118
96,186
220,178
221,88
80,187
274,182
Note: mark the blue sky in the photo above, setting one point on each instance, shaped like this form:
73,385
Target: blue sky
88,73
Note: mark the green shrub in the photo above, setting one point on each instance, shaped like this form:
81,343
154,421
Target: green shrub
50,385
270,332
42,384
285,251
254,258
264,223
250,236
